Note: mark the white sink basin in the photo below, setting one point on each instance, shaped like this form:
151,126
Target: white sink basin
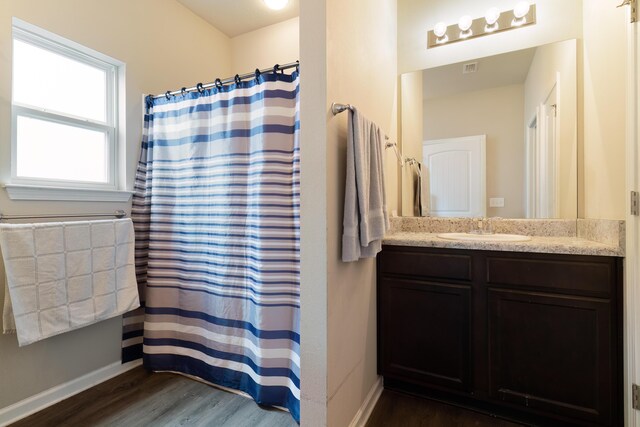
485,237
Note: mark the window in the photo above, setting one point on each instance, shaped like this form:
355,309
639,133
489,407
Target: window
65,112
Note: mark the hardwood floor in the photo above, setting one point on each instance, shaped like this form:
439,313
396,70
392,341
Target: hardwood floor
140,398
396,409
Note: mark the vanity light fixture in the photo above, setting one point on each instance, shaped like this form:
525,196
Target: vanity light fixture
491,17
440,31
464,24
494,21
520,14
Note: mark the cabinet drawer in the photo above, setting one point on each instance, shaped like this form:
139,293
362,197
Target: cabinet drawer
424,264
588,276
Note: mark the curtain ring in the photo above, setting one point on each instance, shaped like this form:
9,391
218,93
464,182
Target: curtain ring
297,66
199,88
167,94
237,79
276,68
219,83
183,91
258,73
149,101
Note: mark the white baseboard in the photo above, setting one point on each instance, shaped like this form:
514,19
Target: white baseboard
38,402
363,414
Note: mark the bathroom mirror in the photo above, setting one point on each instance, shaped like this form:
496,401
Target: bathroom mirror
495,136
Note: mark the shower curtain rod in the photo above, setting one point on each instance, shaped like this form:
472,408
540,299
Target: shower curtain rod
237,77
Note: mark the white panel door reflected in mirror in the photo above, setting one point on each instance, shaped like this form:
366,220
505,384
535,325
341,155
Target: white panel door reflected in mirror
455,170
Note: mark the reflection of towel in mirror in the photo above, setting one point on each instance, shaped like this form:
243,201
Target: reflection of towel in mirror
420,192
365,213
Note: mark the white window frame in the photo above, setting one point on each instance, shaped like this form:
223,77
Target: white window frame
114,70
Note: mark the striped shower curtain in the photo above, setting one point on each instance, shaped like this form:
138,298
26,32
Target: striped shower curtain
216,216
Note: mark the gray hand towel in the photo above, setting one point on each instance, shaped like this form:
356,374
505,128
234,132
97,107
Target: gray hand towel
365,213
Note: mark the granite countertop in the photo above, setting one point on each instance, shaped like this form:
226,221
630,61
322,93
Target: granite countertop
537,244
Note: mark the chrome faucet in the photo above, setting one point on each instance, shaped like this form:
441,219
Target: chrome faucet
483,225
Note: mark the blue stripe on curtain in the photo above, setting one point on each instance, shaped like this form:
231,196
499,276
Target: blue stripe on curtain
216,209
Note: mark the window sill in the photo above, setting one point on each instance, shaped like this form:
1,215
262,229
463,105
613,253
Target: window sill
32,192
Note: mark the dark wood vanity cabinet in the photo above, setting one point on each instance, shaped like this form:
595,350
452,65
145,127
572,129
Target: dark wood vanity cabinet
428,339
535,338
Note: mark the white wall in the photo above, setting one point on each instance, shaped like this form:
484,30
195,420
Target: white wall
165,47
265,47
556,64
499,114
556,20
603,193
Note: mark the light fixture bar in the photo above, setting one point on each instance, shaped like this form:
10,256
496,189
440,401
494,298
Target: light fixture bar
506,21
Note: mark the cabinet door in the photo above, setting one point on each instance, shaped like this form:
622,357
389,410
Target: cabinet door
551,354
425,333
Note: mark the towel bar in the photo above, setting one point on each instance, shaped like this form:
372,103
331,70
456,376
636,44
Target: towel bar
337,108
117,214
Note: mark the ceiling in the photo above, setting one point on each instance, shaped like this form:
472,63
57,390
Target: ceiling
235,17
492,71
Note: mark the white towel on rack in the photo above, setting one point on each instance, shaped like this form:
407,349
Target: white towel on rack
8,323
62,276
365,213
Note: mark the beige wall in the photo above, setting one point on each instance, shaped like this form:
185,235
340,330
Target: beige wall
263,48
555,64
497,113
411,131
361,70
314,254
164,47
603,137
392,166
351,59
556,20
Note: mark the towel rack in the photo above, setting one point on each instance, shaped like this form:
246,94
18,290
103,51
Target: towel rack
337,108
411,161
393,145
118,214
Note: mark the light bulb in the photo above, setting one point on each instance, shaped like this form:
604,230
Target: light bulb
276,4
492,16
440,29
521,9
465,23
